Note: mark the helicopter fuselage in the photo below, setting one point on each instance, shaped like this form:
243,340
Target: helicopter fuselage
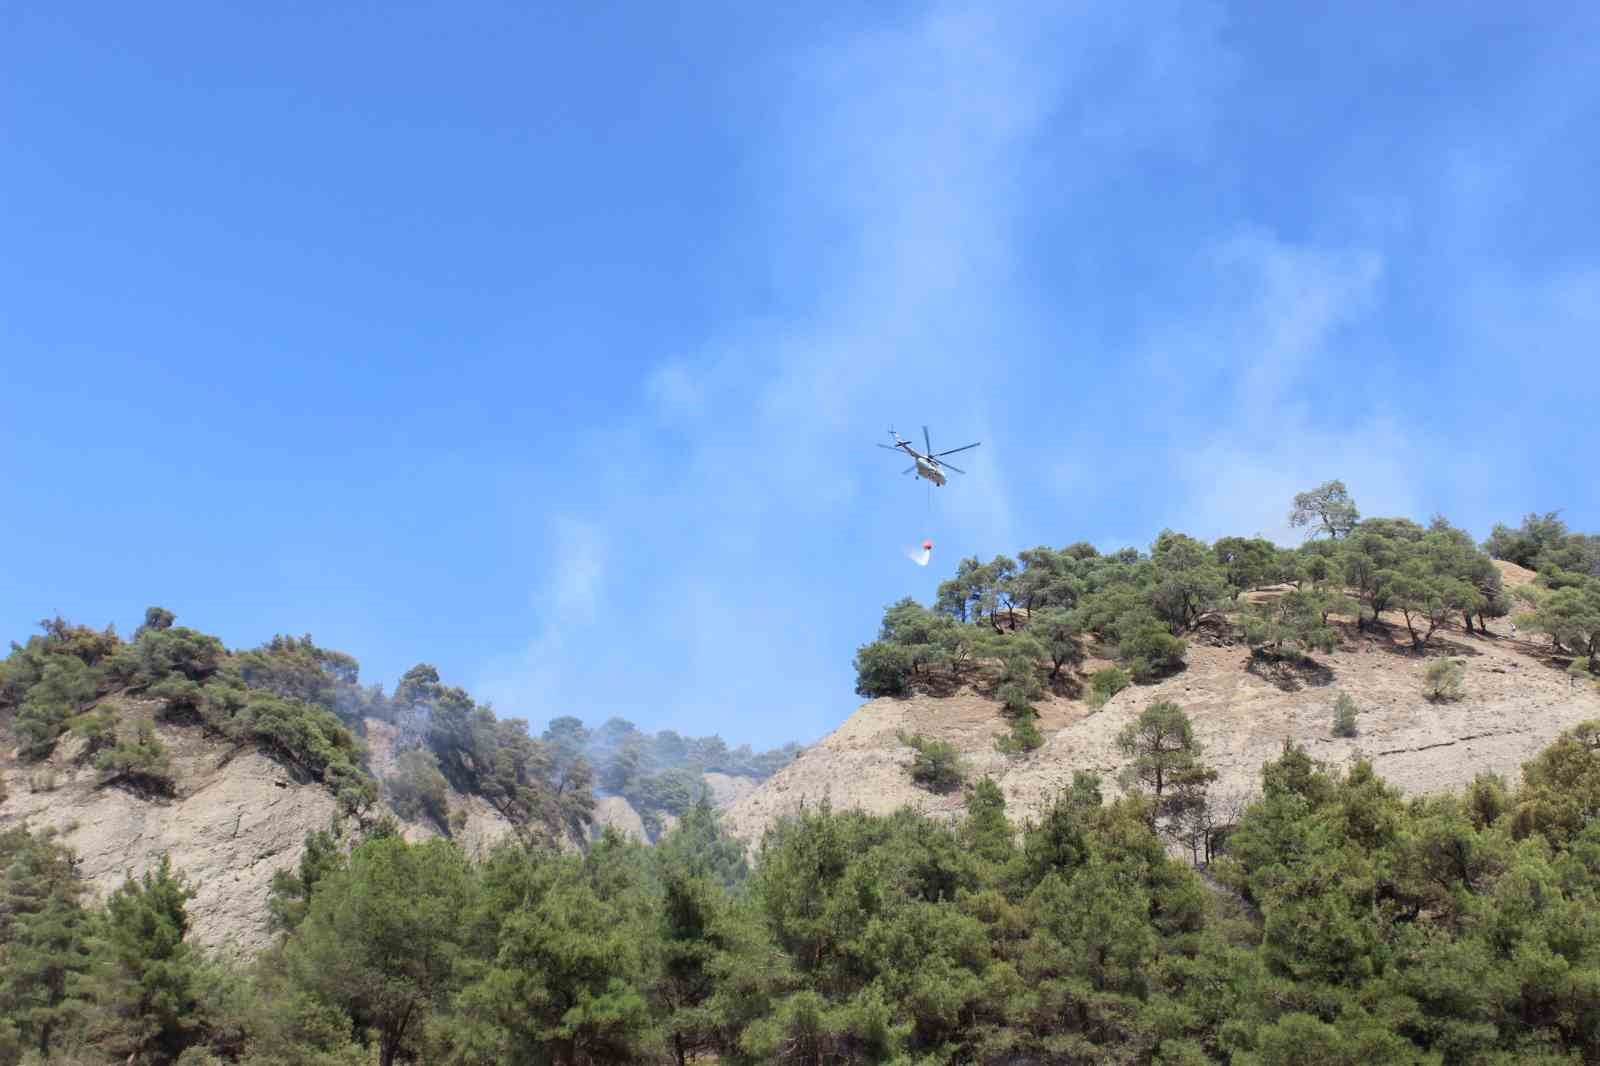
926,467
929,470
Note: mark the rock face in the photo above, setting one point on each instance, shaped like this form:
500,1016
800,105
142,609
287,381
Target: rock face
484,827
239,818
617,813
1515,704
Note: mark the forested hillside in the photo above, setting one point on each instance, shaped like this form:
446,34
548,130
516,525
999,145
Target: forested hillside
304,706
1015,628
1344,925
1324,917
166,743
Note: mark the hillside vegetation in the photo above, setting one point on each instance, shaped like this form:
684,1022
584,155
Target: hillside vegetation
1120,856
1343,925
304,706
1016,629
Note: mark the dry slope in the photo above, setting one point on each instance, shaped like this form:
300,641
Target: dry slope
238,818
1515,704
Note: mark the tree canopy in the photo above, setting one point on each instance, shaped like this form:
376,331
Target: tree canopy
1358,926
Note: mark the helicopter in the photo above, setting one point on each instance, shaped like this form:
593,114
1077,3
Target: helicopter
926,464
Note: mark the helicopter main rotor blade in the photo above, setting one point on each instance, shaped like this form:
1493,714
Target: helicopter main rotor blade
888,448
909,469
926,441
947,466
963,448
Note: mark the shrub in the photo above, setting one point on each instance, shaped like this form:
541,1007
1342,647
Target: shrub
1445,680
1023,737
936,764
161,653
672,791
1104,684
882,669
142,761
1344,716
63,688
417,789
97,726
1150,651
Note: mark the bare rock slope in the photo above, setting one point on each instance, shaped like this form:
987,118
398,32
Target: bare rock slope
238,818
1515,704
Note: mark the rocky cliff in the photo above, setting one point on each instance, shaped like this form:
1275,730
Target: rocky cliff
1516,702
237,817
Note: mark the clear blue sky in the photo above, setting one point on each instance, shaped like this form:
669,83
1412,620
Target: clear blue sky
549,343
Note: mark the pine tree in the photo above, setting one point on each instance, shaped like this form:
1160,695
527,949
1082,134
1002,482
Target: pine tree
381,937
43,931
141,987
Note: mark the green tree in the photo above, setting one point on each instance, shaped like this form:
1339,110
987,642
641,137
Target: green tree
43,939
141,984
157,618
65,686
569,979
986,832
1571,618
1189,585
1107,682
1247,563
700,847
141,763
1325,510
1059,631
380,939
1159,744
1291,625
1374,554
289,894
1538,535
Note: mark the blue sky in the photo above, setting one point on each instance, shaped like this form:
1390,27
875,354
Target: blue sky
550,346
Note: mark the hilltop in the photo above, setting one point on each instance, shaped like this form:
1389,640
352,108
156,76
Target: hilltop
226,762
1028,671
1518,698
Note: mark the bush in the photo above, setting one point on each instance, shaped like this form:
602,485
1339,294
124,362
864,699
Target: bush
1023,737
1104,684
97,726
161,653
882,669
63,688
142,761
672,791
1445,681
1344,716
936,766
417,789
1150,651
